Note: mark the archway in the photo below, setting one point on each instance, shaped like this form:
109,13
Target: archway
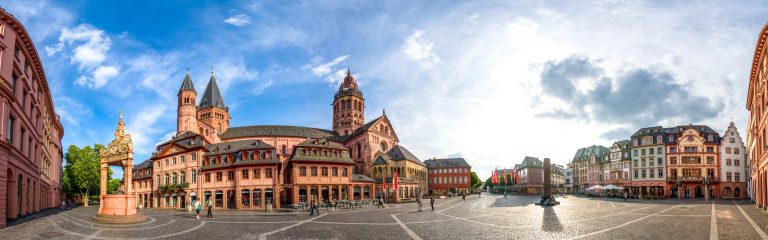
737,192
727,192
9,214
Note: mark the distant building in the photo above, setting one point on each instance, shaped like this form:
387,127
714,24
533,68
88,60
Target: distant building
617,170
733,164
693,160
449,175
568,177
587,166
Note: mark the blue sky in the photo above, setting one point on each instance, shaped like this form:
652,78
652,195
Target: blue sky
493,81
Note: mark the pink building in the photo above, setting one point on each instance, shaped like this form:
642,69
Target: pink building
30,149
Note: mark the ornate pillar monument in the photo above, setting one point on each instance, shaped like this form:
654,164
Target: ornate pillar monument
118,207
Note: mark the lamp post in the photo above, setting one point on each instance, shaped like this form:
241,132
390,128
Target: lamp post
705,181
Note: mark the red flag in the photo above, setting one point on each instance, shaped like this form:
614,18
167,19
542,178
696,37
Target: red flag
386,191
394,182
493,176
505,175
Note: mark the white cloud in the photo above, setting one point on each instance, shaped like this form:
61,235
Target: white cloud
420,49
100,76
238,20
325,68
142,127
90,45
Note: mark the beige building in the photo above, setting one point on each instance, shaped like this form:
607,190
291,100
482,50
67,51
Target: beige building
411,172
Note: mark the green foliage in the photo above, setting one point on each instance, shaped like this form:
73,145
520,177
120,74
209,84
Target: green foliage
489,183
173,187
476,182
113,185
81,174
510,181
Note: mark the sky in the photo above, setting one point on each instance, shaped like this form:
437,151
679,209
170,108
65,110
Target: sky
491,81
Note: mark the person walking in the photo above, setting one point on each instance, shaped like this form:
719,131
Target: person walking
315,208
463,197
432,202
311,206
381,202
198,207
625,196
210,209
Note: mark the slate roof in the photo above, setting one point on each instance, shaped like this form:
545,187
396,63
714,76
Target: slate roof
187,84
624,144
446,162
361,178
277,130
320,156
700,128
398,153
143,165
584,153
236,146
212,96
531,162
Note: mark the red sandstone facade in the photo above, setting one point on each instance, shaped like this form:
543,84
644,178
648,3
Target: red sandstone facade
757,126
262,166
449,175
30,145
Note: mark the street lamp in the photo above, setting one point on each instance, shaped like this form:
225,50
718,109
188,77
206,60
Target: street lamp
705,181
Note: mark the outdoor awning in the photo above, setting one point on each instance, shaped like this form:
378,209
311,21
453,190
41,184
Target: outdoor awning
193,194
173,195
166,194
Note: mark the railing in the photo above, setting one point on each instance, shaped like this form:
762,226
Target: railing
691,179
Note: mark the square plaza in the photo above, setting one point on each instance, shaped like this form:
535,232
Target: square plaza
485,217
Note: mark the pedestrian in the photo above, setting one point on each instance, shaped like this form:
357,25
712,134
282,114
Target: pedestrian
210,207
625,196
381,202
505,194
63,203
314,207
432,202
463,197
418,200
198,207
311,206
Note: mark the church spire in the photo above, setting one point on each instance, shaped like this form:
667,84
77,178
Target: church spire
187,84
212,95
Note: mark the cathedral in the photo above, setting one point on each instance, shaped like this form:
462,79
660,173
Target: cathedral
262,166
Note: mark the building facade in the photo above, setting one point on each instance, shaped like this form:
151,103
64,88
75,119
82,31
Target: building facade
568,178
449,175
757,125
588,166
263,166
648,162
30,151
733,164
617,170
693,162
411,174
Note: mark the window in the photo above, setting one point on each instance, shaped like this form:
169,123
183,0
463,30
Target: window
710,149
732,140
207,177
303,171
710,160
193,157
11,122
735,151
218,176
231,175
728,150
257,173
21,141
14,79
181,158
650,173
671,138
736,162
650,151
167,180
325,171
183,177
661,173
335,172
166,162
174,161
636,174
659,161
737,177
635,162
673,160
727,162
642,152
643,162
710,138
245,173
314,171
194,176
643,173
728,176
268,173
659,150
344,172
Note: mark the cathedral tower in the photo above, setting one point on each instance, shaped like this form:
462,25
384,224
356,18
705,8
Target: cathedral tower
186,114
348,107
212,110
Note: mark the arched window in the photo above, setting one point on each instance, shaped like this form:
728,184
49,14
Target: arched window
183,177
359,151
263,155
175,178
383,146
282,150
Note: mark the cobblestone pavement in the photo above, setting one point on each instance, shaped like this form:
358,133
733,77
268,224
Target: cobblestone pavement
486,217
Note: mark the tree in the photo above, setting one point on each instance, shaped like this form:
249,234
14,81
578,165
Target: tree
488,183
83,170
113,185
509,181
476,180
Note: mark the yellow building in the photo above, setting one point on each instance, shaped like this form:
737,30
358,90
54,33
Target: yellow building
411,173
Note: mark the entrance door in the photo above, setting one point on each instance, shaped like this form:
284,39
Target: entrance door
231,199
699,193
687,192
183,201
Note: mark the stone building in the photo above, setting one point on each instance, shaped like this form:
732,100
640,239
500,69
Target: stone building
449,175
587,165
261,166
757,129
617,169
648,162
733,164
411,174
30,151
693,161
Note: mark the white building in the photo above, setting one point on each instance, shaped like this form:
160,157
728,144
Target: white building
733,164
568,175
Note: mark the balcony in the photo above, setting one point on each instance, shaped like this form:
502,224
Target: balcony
690,179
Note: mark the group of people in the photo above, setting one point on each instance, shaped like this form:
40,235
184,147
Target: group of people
199,207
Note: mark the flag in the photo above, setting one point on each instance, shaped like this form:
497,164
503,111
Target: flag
386,191
493,176
394,182
505,175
